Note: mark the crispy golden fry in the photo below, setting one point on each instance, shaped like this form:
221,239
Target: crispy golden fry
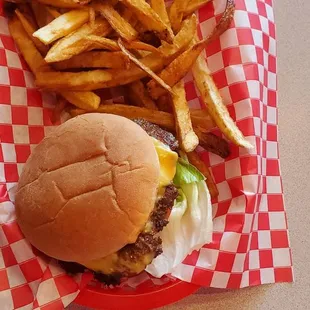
30,27
141,46
139,96
187,138
42,15
144,68
66,4
224,22
31,55
213,143
109,78
195,160
193,6
159,7
160,118
97,42
163,119
62,26
200,113
181,40
214,103
176,14
95,59
77,42
176,70
117,22
140,54
95,79
149,19
84,100
202,119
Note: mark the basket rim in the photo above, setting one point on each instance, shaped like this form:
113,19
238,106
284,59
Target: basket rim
141,298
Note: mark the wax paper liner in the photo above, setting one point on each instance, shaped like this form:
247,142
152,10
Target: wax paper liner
250,242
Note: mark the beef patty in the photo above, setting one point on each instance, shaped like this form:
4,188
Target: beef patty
141,253
158,133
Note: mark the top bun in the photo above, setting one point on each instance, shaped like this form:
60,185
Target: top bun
88,188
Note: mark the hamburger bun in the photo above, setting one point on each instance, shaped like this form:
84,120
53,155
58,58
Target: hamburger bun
88,188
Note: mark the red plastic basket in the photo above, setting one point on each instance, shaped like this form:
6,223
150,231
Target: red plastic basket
141,298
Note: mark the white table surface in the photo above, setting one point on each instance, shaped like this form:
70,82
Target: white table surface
293,38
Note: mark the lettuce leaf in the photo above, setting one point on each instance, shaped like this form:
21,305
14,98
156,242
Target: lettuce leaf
190,227
186,173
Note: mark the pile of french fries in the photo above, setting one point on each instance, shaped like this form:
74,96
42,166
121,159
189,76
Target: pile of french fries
77,47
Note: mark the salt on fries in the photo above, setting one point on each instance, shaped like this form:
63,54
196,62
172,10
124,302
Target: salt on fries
82,46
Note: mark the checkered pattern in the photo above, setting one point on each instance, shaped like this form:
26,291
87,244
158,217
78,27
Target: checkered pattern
250,243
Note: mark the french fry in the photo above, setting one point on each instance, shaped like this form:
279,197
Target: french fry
84,100
200,113
143,67
193,6
202,126
66,4
181,40
62,26
195,160
187,138
95,42
117,22
95,79
76,42
149,19
159,7
141,46
139,96
163,119
176,14
214,103
224,22
160,118
213,143
176,70
31,55
95,59
202,119
109,78
30,27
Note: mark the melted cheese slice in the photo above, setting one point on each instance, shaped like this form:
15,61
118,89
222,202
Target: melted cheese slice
168,162
113,263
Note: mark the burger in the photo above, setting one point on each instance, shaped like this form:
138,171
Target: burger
98,193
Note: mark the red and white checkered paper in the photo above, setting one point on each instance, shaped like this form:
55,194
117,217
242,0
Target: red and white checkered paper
250,242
